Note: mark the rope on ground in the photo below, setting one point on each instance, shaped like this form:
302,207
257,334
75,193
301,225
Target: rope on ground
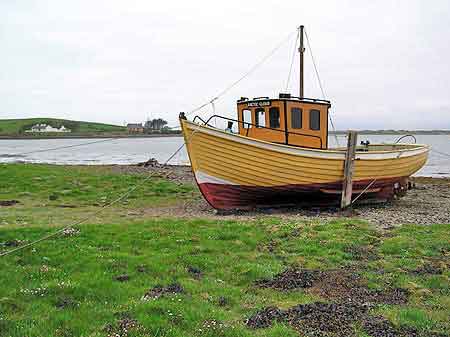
248,73
292,62
66,146
115,201
320,85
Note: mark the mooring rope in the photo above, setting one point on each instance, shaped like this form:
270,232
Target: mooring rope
363,191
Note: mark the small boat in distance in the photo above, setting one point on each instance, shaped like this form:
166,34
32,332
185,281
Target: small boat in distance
280,156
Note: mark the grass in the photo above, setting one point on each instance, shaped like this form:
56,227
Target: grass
67,286
55,195
11,127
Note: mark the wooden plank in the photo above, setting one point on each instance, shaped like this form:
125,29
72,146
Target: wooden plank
347,184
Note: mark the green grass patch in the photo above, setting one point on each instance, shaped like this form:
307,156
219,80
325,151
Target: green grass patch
52,194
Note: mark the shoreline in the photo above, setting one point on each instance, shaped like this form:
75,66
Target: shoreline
160,135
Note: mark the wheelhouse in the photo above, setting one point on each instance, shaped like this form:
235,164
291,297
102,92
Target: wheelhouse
286,120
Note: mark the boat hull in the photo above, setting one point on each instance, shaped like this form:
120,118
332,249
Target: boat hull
236,172
226,196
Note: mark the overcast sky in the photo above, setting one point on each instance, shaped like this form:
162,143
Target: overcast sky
384,64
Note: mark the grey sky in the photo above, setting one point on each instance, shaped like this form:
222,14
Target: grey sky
384,64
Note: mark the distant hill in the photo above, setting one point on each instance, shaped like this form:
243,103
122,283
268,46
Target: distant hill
17,127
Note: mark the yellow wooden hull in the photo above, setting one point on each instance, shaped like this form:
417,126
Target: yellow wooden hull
233,171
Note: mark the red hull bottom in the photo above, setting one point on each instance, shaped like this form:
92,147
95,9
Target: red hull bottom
229,197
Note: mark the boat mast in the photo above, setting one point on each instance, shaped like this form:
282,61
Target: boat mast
301,50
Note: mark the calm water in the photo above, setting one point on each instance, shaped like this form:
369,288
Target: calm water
134,150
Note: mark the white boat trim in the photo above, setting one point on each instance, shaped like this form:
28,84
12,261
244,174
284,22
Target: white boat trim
204,178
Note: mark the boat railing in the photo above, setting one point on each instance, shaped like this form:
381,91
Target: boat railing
254,125
313,100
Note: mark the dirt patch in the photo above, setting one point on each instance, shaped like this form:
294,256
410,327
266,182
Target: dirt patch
6,203
380,327
122,278
329,319
269,246
122,327
12,243
314,319
175,173
223,301
142,268
195,272
159,291
348,286
66,303
66,206
291,279
265,318
326,318
362,253
348,298
431,268
340,285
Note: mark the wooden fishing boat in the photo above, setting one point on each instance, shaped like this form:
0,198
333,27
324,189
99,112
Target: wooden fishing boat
280,156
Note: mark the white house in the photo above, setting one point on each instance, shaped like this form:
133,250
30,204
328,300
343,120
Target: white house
47,128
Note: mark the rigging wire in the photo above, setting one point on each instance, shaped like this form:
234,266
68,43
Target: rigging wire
79,222
441,153
248,73
405,136
292,62
320,84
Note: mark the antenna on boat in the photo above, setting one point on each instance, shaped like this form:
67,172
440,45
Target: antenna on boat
301,50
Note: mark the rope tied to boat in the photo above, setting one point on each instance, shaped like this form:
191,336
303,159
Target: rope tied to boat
363,191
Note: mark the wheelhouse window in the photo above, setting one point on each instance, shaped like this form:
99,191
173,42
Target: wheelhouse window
274,117
247,118
314,119
296,118
260,117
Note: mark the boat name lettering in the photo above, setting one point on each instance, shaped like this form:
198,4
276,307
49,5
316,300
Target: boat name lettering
262,103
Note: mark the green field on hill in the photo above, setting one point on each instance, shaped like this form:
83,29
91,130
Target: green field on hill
14,127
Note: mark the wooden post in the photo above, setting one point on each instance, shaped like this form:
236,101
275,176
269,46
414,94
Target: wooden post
347,184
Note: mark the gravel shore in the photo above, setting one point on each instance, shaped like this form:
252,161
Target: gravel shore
428,202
